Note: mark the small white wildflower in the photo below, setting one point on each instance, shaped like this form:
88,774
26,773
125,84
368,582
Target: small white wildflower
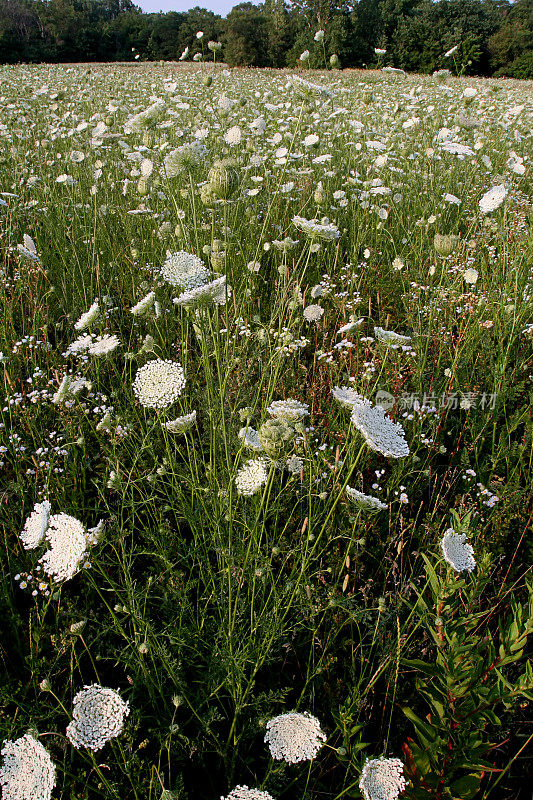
390,337
28,772
181,425
103,345
87,319
382,779
457,552
492,199
351,326
251,477
365,501
144,305
313,313
68,543
289,410
379,431
98,716
294,737
470,276
294,465
184,270
36,525
244,793
159,383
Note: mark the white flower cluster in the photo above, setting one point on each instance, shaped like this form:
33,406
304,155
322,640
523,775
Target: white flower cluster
457,552
313,313
87,319
390,337
159,383
69,388
68,544
294,464
244,793
36,526
311,87
98,716
251,477
181,425
382,778
184,158
346,396
327,231
139,122
143,305
251,438
79,345
379,431
28,772
492,199
184,270
103,345
289,410
215,291
365,501
294,737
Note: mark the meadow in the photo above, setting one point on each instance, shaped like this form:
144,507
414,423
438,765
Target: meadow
266,443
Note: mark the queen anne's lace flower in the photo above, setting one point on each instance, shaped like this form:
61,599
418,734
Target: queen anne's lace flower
346,396
251,438
350,326
290,410
390,337
294,737
87,319
98,716
365,501
36,526
150,115
79,345
492,199
215,291
457,551
184,270
103,345
181,425
382,778
68,544
143,305
251,477
380,432
294,465
28,772
244,793
313,313
159,383
184,158
327,231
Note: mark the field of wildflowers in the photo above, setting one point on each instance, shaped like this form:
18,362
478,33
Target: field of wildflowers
266,446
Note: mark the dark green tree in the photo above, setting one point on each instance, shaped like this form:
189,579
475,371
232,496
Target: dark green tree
511,47
246,37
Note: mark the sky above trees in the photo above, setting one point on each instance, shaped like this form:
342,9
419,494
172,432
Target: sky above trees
222,7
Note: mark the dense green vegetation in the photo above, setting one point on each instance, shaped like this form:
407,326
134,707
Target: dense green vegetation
266,438
492,36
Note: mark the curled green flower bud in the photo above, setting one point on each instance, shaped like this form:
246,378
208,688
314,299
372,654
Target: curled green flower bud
224,178
275,435
445,244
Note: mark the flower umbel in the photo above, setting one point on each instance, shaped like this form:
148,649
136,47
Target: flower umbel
294,737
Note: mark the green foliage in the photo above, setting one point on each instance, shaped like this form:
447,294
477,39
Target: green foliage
491,36
476,676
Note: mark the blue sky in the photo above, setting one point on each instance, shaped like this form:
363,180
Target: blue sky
219,6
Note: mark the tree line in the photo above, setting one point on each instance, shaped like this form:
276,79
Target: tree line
470,37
